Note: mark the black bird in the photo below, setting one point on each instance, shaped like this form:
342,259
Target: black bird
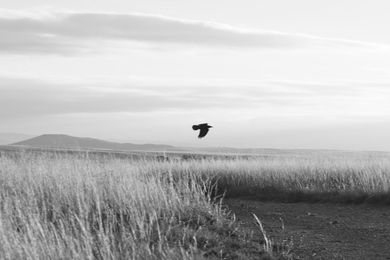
204,129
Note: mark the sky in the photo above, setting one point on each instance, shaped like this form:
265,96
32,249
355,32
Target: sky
268,74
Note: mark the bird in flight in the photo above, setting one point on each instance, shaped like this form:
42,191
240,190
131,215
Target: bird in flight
204,129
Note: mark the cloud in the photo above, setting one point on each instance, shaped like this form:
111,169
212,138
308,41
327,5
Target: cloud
31,97
21,98
67,33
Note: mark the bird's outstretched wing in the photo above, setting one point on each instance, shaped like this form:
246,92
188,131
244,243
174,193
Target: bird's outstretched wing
203,132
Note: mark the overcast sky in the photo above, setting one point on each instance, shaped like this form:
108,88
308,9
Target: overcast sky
279,74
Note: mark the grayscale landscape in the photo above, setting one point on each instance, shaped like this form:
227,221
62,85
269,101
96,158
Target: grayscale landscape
194,130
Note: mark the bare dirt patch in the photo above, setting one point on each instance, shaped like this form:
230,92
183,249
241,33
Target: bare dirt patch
320,230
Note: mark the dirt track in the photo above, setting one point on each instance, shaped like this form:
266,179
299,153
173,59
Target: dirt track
321,231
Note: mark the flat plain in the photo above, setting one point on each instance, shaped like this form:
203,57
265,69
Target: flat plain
281,205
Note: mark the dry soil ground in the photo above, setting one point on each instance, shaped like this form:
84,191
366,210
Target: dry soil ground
321,231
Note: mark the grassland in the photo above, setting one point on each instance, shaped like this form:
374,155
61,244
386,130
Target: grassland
73,206
341,177
77,206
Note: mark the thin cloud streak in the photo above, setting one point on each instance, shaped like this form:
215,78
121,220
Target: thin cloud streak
26,97
31,97
66,33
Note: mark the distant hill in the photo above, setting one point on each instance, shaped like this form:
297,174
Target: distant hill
86,143
60,141
9,138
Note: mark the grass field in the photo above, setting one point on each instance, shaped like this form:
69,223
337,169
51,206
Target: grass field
76,206
341,177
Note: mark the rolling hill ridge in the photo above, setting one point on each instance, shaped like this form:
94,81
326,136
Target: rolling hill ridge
85,143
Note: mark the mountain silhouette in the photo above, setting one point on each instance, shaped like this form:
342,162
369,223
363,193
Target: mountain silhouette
72,142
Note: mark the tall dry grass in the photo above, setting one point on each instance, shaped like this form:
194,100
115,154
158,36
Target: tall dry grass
64,206
68,207
312,176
